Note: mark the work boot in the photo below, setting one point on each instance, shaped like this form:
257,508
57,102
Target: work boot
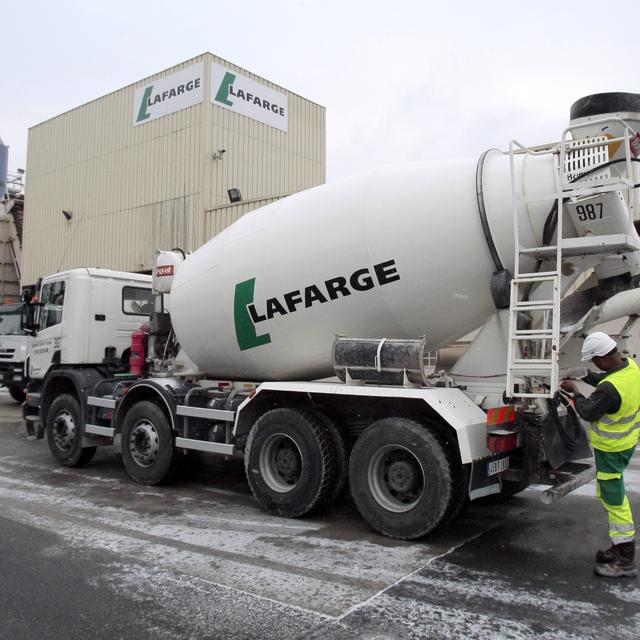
607,555
623,565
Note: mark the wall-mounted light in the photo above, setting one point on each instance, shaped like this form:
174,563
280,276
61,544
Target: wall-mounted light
234,195
67,214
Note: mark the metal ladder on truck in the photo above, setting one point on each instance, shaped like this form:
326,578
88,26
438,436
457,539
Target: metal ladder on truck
582,174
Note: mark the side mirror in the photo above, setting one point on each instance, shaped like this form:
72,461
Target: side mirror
30,317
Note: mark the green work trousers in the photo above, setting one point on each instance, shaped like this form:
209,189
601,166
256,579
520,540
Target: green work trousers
610,466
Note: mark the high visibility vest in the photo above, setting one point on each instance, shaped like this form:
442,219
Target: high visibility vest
619,431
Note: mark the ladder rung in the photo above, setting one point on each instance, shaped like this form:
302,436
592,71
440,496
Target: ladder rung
533,334
540,276
547,249
548,394
535,305
534,371
542,362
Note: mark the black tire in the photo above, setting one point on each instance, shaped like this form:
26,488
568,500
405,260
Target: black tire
148,445
16,391
65,431
289,462
341,458
401,478
460,474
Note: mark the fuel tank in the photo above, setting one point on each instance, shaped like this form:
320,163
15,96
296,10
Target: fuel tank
406,251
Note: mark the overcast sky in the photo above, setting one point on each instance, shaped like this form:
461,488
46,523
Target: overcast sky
400,80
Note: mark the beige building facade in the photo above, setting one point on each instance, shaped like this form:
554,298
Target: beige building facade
151,166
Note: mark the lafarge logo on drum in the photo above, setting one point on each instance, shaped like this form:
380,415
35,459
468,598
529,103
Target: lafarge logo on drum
169,94
249,314
248,98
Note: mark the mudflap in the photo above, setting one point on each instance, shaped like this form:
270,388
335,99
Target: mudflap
564,436
481,484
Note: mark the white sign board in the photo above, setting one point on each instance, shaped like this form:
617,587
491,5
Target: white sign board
169,94
249,98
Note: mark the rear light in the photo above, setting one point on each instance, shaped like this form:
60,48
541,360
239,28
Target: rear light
500,441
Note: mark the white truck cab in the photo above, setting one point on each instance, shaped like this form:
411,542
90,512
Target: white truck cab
14,344
87,315
81,333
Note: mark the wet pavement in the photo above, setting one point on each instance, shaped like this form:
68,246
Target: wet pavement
89,553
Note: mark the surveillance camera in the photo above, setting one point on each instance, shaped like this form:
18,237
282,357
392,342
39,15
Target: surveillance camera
221,151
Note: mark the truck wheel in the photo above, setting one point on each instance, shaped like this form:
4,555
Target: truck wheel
340,456
65,431
289,461
401,478
460,474
148,445
17,393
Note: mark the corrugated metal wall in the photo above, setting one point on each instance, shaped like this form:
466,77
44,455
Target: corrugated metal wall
132,190
219,218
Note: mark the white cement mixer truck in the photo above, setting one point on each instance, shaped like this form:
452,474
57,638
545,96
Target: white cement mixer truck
296,338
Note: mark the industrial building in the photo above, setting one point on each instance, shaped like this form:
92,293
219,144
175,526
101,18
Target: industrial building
168,161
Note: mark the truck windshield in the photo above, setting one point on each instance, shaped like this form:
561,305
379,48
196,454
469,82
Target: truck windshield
10,322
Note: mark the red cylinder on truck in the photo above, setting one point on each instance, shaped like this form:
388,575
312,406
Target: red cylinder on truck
138,352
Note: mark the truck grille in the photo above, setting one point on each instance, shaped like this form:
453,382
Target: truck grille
6,354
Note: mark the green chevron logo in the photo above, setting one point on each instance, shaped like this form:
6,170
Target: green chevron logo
225,89
246,333
143,113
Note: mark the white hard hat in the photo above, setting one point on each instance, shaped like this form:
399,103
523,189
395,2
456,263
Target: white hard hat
597,343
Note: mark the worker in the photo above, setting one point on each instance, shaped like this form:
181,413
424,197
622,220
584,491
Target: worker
614,414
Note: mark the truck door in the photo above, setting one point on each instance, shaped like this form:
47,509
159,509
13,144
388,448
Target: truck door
45,348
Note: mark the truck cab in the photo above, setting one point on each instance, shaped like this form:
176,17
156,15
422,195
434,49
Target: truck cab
82,330
14,343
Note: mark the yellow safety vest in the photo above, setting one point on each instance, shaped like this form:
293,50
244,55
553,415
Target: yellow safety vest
619,431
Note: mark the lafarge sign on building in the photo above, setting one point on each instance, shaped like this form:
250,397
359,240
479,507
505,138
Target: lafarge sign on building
249,98
169,94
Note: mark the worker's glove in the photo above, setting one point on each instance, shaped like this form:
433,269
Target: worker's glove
569,386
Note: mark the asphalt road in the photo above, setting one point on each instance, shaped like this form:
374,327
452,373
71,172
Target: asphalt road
90,554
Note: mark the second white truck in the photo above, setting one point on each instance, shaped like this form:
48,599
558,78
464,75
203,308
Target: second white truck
14,345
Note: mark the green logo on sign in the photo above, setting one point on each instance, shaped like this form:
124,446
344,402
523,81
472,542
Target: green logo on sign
245,329
143,114
225,88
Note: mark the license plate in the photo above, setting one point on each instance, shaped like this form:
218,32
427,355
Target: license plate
496,466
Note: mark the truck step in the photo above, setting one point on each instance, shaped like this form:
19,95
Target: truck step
586,246
35,430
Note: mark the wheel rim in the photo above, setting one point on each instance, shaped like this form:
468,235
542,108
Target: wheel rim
396,478
64,431
280,463
144,443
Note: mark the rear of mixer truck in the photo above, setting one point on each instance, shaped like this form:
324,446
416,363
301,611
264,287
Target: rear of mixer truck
296,339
